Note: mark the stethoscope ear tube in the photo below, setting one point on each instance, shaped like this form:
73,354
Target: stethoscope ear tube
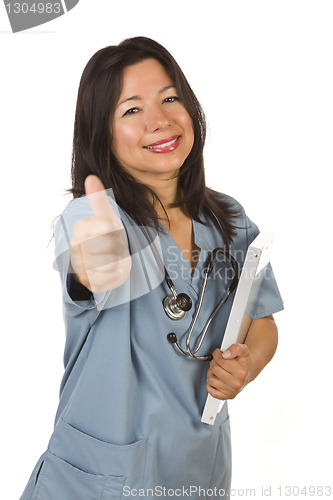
234,264
172,338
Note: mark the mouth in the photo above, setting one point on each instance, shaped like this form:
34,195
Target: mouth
165,145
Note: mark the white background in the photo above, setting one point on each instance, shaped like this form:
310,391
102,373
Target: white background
263,73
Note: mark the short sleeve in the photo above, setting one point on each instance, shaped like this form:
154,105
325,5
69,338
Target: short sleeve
77,209
146,271
265,299
268,299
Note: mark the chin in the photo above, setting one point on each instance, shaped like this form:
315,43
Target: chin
168,164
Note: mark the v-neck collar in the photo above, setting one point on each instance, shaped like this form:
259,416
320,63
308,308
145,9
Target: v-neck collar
173,255
204,236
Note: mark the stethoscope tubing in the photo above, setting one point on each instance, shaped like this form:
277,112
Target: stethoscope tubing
207,271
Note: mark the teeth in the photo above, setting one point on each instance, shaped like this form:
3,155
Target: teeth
165,145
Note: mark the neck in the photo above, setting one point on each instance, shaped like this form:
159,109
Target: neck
167,192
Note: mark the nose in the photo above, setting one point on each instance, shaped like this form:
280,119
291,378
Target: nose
157,119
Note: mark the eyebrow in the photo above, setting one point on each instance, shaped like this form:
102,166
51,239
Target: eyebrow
138,98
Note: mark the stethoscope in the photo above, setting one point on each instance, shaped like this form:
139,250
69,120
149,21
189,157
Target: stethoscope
177,305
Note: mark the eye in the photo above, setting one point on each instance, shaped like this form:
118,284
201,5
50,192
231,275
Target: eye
171,99
131,111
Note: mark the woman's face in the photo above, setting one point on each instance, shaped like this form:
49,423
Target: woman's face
152,132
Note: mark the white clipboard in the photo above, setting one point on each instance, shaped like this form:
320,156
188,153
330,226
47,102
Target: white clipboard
257,258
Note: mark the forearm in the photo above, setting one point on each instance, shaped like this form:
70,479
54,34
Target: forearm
262,340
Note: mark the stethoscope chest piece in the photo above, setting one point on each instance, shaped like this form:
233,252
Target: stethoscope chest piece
177,306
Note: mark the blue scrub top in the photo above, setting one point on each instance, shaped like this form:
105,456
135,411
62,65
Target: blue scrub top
129,417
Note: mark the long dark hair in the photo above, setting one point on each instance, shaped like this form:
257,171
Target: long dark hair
99,91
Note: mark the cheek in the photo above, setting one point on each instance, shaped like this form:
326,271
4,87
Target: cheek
187,125
123,138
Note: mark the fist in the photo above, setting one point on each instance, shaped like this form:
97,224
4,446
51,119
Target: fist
229,372
99,250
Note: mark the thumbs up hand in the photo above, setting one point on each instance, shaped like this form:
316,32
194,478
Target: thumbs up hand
99,250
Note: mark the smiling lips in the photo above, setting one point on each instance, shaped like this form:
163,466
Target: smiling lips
164,146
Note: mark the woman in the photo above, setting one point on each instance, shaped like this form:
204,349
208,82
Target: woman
129,416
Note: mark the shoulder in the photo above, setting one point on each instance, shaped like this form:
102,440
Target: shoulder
79,208
76,209
225,198
229,203
246,229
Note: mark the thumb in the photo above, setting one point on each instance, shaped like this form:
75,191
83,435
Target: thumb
234,351
97,197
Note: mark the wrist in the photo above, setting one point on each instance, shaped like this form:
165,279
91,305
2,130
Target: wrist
256,364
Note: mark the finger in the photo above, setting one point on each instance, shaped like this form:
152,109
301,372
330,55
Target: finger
102,250
218,393
220,359
115,273
98,251
218,374
96,242
223,367
98,199
234,351
228,385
